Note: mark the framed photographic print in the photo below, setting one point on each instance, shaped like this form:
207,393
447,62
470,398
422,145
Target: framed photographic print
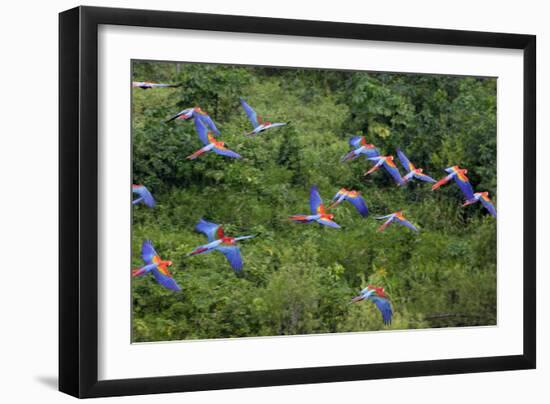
250,201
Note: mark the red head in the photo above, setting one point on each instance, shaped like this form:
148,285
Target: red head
167,263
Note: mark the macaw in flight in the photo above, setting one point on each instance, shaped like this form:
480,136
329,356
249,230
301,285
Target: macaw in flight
459,175
483,197
159,267
352,196
318,213
396,217
145,85
210,144
258,123
389,165
218,241
379,298
412,171
197,114
144,196
360,147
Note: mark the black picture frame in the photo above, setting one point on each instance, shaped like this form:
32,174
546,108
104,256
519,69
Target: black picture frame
78,201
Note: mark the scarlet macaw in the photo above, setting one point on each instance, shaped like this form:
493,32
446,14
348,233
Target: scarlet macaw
379,298
198,115
361,147
144,196
145,85
396,217
459,175
210,144
218,241
354,197
389,165
483,197
412,171
317,209
154,264
258,123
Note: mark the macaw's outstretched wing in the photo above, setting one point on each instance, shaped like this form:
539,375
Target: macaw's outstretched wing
359,204
277,124
223,151
394,172
407,165
148,252
144,193
202,131
443,181
329,223
406,223
465,187
212,230
206,120
376,166
163,276
250,113
233,255
424,177
384,307
352,155
300,218
336,196
357,141
486,202
386,223
315,201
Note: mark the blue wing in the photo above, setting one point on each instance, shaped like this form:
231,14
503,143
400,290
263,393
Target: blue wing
222,151
148,251
407,165
233,255
329,223
465,187
489,206
209,122
394,172
202,132
252,116
166,281
207,228
315,201
406,223
146,196
424,177
359,204
384,307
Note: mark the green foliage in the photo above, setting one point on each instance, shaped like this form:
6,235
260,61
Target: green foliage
299,279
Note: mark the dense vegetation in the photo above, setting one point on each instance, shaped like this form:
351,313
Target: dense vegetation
299,279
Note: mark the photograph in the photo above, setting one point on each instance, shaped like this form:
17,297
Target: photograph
278,201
